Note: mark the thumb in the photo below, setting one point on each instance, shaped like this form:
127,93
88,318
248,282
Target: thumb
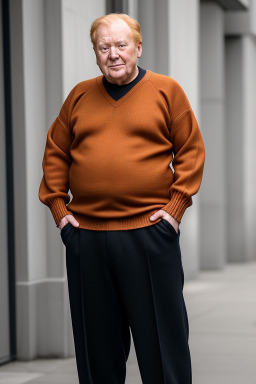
156,215
73,221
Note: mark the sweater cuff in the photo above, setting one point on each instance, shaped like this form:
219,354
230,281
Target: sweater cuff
177,205
58,209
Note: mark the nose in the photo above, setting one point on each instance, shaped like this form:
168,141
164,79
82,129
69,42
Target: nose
113,53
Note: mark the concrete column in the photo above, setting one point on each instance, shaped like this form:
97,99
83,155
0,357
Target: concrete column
240,29
79,61
240,139
153,19
183,66
4,278
28,97
41,284
249,103
171,28
50,54
212,214
171,47
133,8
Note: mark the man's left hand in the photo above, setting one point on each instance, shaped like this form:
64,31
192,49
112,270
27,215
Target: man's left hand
166,216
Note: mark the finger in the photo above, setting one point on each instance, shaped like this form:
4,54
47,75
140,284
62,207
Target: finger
70,219
74,222
156,216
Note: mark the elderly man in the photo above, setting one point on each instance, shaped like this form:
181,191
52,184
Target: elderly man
111,145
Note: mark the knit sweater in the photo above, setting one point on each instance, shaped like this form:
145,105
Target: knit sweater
114,156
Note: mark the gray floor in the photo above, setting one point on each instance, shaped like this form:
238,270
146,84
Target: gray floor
222,313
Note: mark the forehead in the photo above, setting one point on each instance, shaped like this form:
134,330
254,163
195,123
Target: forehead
117,30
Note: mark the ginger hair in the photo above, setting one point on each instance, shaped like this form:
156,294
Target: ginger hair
110,18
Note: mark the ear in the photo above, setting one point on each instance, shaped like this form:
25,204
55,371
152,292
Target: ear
95,54
139,49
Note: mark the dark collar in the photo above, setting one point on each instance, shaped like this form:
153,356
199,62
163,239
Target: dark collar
117,91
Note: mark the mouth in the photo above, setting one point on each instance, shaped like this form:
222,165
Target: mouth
116,66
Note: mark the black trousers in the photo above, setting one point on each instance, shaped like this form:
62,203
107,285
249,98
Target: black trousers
121,281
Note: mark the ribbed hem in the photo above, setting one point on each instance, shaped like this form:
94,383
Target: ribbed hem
177,205
132,222
58,209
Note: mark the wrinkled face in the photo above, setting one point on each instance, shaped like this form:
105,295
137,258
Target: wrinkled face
116,52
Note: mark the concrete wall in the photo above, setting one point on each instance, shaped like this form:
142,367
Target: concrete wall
229,5
241,22
228,113
249,103
51,52
43,50
78,58
240,139
4,278
213,237
240,29
183,65
172,28
153,19
234,138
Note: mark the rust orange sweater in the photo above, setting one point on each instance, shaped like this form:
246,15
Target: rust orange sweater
115,156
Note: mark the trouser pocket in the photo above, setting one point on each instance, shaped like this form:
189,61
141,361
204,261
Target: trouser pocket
171,228
67,232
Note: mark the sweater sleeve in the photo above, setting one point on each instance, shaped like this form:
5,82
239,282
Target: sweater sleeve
54,187
189,156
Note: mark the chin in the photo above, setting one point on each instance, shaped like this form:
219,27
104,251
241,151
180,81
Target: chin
117,76
119,72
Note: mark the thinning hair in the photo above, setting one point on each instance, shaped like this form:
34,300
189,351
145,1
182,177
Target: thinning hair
110,18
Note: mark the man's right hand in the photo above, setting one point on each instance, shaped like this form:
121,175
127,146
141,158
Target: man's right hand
66,219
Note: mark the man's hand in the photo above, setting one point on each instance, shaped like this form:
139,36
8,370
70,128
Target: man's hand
161,213
66,219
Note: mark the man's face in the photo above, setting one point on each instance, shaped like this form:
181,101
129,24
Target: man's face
116,52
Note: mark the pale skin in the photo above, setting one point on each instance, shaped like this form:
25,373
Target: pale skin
116,55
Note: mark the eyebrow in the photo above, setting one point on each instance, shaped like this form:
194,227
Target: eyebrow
121,41
117,42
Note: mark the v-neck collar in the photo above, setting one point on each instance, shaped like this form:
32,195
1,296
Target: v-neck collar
110,99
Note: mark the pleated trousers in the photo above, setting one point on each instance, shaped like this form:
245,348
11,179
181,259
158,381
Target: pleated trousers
124,281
